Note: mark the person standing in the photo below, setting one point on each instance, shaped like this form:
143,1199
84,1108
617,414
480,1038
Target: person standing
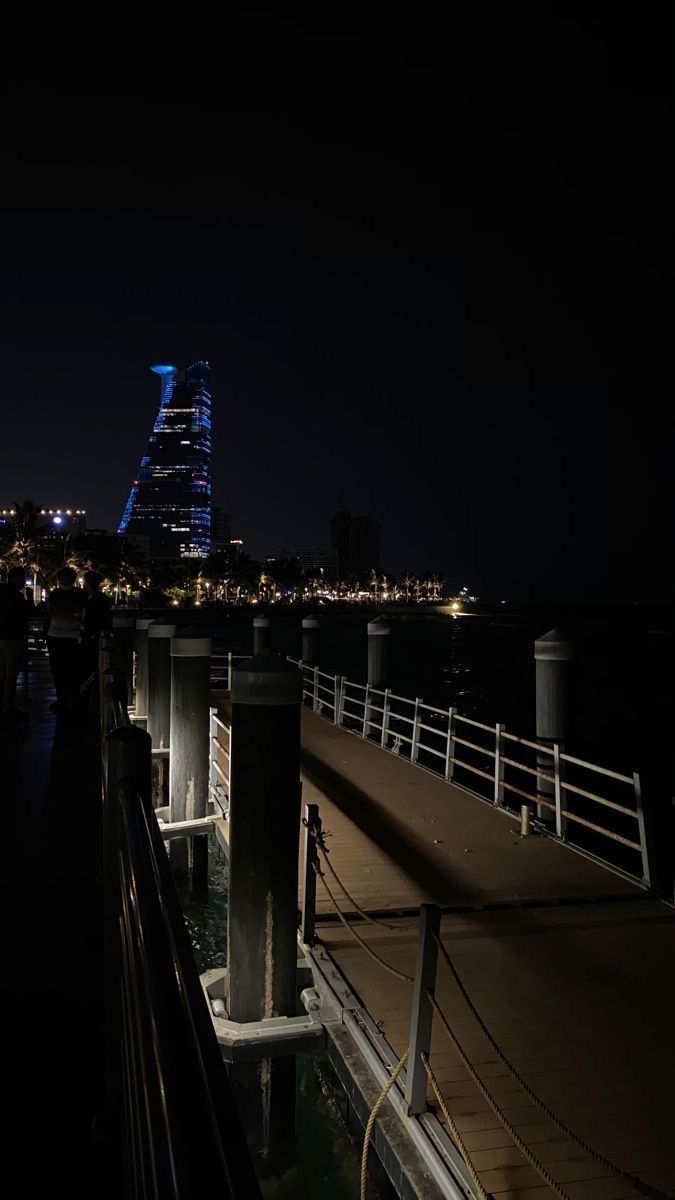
14,612
63,630
97,617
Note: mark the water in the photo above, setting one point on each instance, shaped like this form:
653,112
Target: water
483,664
328,1153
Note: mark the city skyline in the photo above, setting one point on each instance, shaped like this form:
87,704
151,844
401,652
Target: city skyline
438,294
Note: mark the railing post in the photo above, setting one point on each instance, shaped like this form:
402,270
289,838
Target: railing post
450,745
560,820
315,689
366,713
337,698
385,717
414,745
499,765
213,733
644,832
311,823
422,1013
229,670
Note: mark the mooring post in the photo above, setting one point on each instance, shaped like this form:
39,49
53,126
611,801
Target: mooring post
422,1013
310,641
142,626
189,763
264,838
159,703
262,635
124,636
379,653
309,856
553,653
379,662
263,895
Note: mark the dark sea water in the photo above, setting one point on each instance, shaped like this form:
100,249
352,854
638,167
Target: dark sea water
483,663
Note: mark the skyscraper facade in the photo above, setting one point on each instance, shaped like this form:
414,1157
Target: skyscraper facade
170,501
356,539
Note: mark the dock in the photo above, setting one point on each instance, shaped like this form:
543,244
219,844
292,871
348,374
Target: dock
570,965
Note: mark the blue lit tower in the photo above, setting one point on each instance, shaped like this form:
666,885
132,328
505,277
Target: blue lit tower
170,502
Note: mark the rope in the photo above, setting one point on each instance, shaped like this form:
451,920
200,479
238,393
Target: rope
371,1121
320,839
635,1181
376,958
459,1141
501,1116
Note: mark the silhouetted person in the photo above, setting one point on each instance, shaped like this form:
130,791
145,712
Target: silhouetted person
97,617
63,629
14,612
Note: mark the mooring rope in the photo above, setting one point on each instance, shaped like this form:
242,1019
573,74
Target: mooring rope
450,1122
635,1181
372,1118
320,839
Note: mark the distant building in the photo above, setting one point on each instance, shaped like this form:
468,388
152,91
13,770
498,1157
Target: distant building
221,530
312,561
170,502
356,540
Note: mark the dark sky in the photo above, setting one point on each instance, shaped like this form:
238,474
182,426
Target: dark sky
428,262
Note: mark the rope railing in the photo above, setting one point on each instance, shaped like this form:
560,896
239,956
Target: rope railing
418,1050
472,755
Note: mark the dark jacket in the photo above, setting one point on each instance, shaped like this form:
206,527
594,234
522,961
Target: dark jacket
14,612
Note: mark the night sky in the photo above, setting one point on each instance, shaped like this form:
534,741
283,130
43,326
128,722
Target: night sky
428,263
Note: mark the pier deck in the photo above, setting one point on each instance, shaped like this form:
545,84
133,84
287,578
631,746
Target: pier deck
52,976
571,966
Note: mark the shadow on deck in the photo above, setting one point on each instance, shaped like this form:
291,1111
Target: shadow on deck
52,990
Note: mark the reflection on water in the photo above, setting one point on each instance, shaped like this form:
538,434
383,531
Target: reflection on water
328,1153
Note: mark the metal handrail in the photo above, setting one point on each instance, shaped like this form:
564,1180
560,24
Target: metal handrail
168,1092
353,709
183,1135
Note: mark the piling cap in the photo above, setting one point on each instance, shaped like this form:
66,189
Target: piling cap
144,622
379,625
554,646
266,679
190,643
261,622
310,622
161,629
123,621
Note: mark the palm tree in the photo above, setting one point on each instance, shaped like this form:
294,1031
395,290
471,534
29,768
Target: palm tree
407,580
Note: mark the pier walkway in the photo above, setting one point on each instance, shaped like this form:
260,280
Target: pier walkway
570,965
52,976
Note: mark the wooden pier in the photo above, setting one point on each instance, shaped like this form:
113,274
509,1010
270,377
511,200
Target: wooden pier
570,965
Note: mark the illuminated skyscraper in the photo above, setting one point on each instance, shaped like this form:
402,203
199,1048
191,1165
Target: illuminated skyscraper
170,502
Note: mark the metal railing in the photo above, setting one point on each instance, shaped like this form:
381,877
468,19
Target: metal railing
168,1091
222,666
219,775
570,793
